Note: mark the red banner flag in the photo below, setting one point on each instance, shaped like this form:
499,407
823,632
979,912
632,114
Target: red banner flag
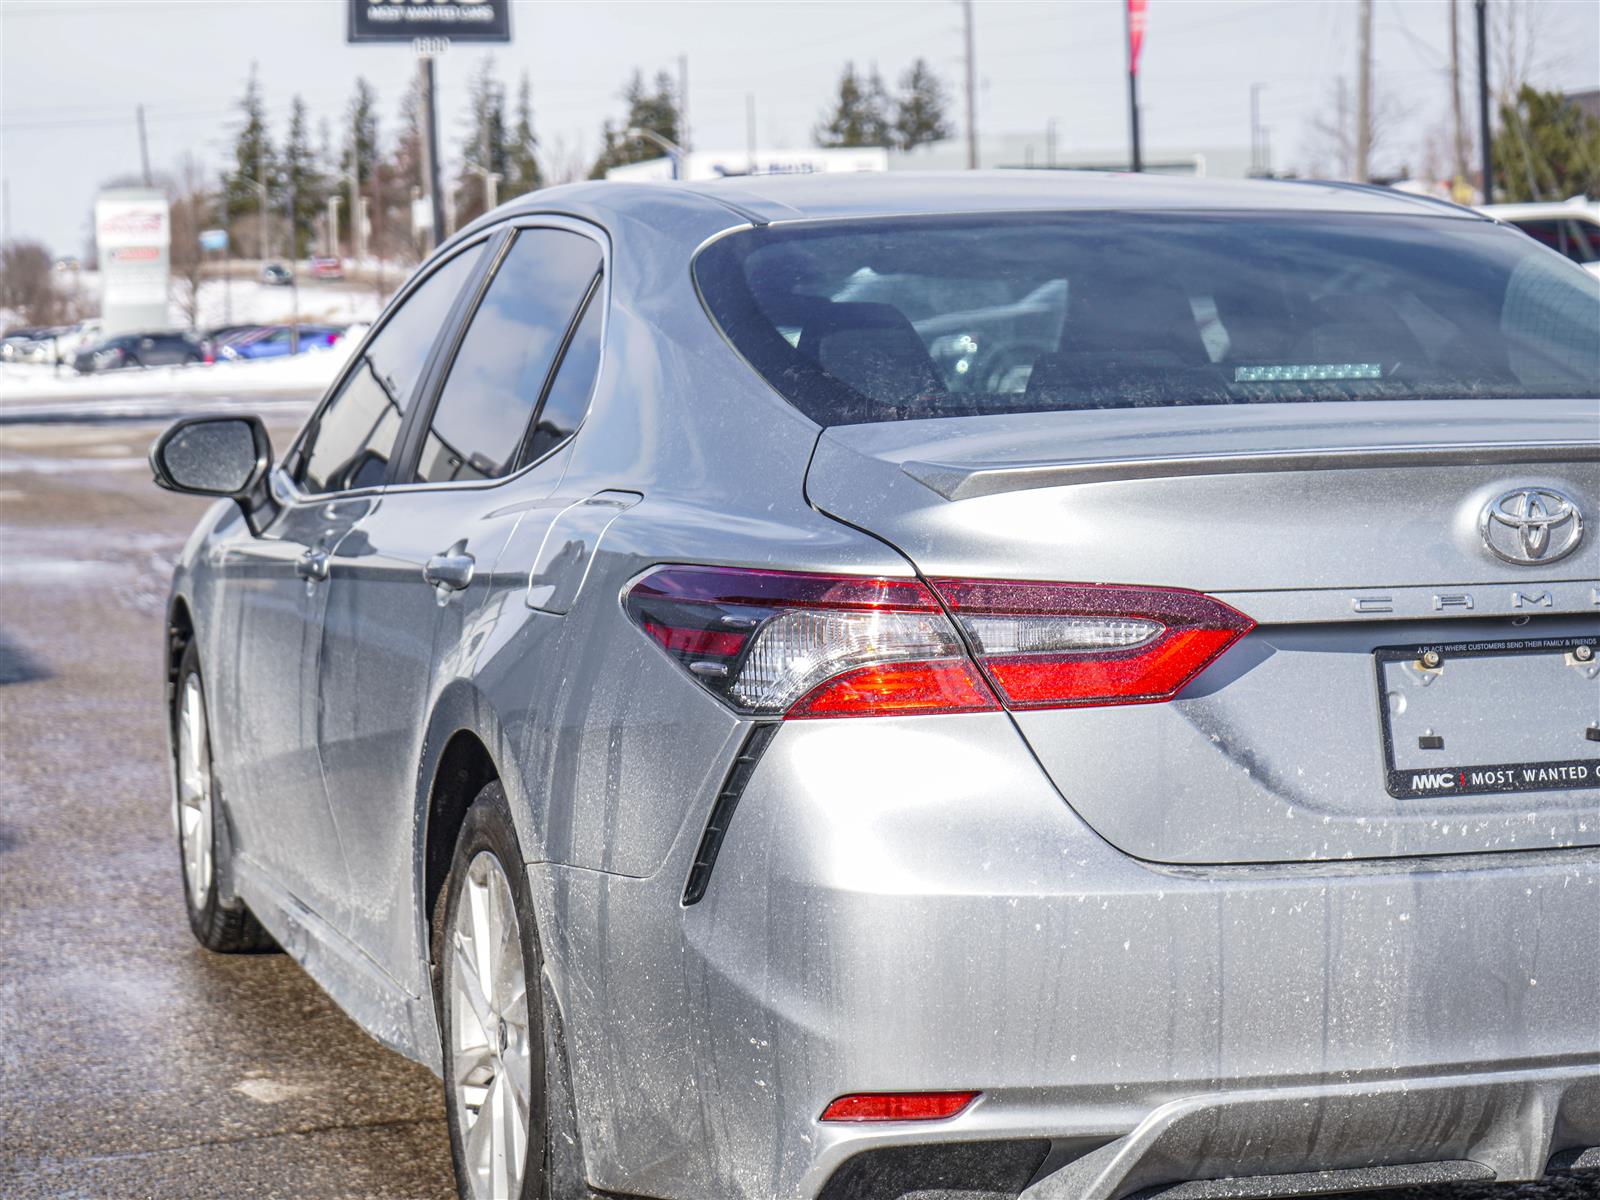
1135,34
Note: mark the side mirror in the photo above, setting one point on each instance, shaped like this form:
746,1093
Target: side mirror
218,456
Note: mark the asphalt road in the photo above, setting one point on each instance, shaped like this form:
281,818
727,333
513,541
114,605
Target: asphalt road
133,1063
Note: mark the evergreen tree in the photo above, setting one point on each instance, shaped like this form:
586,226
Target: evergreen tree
485,146
1547,148
522,161
656,111
860,115
920,115
254,161
360,152
301,183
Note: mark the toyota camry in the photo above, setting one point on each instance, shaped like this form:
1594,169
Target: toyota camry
1020,685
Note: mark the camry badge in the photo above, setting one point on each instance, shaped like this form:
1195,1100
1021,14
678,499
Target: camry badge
1531,525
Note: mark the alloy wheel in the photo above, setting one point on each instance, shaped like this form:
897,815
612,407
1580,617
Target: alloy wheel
194,792
492,1076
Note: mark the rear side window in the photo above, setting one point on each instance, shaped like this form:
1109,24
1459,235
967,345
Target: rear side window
568,399
896,319
350,442
502,370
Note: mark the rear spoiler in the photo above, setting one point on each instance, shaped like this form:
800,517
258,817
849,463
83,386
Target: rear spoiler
964,481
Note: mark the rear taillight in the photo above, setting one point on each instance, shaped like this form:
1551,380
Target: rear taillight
1053,645
803,645
792,644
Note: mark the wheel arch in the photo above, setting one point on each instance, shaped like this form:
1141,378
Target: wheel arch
465,747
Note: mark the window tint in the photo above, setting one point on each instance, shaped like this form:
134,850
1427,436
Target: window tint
899,319
350,442
499,373
568,400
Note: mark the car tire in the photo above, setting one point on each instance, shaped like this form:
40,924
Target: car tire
493,1019
225,927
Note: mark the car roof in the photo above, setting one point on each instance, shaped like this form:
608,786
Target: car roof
771,198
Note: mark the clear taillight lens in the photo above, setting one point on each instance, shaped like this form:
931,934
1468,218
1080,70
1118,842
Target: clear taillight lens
808,645
1053,645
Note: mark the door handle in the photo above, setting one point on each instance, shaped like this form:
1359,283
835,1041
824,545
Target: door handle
452,569
312,565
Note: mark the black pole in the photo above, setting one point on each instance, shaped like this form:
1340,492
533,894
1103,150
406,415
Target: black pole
1136,159
432,108
1483,102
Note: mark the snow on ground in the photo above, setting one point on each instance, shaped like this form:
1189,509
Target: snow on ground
248,301
31,392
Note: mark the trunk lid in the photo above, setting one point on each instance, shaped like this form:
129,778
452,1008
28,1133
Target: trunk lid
1352,533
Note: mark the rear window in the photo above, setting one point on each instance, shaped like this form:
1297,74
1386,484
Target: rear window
879,320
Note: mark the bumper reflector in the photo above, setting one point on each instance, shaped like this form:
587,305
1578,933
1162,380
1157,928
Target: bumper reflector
898,1106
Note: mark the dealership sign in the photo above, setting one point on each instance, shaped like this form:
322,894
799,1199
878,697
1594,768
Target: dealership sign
133,234
407,20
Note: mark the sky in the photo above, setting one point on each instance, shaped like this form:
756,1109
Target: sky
73,71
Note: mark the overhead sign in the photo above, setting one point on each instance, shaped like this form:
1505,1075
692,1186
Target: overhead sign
133,232
407,20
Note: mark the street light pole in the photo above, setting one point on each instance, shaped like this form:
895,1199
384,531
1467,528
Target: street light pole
1484,136
972,88
673,150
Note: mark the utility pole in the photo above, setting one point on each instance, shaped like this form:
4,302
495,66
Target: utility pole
1485,145
294,275
1135,35
1363,165
972,90
333,224
683,102
750,129
261,191
430,148
1257,158
144,147
1459,141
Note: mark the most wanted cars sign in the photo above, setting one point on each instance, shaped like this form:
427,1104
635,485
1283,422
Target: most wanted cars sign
133,236
405,20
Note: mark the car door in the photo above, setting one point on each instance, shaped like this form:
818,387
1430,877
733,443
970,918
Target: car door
410,575
275,595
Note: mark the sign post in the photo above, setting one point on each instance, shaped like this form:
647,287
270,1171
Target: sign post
430,28
1136,18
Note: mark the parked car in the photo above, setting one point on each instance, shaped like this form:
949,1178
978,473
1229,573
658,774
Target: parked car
276,275
152,349
743,764
327,268
277,341
1571,228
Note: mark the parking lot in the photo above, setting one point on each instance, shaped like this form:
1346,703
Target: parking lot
133,1063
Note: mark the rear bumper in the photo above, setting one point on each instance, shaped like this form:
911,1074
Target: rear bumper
909,905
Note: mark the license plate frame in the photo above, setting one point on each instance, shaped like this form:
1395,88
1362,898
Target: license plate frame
1455,777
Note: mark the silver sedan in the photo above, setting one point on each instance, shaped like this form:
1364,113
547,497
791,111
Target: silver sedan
1013,685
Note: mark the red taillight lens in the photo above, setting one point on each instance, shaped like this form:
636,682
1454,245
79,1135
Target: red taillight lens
796,644
801,644
898,1106
1052,645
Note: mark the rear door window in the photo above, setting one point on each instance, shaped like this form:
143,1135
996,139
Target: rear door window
502,370
349,444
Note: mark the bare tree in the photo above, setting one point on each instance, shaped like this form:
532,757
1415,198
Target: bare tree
1336,136
192,207
28,284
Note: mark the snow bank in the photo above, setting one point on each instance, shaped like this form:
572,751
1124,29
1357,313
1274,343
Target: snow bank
309,373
